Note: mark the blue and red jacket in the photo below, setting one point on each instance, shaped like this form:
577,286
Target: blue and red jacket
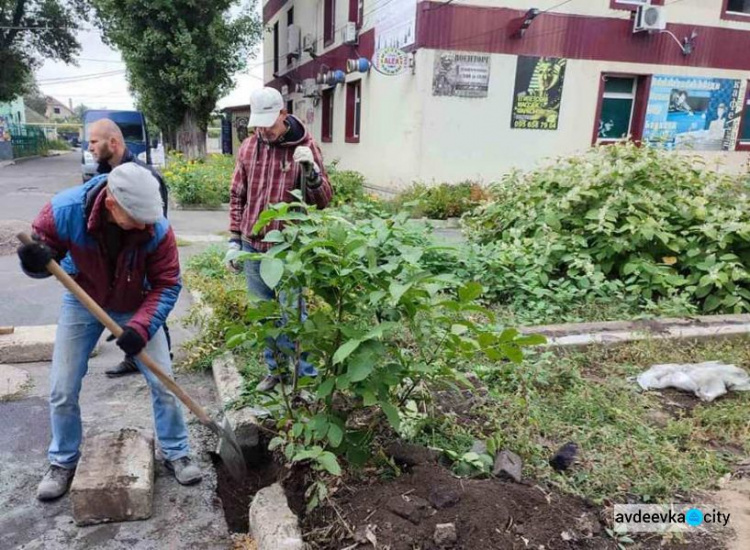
146,279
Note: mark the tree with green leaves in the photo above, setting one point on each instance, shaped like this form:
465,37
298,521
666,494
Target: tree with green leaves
31,31
181,56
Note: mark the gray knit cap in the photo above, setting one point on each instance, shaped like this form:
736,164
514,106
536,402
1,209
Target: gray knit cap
137,191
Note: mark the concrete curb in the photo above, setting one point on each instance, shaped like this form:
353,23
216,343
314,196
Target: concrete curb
30,345
272,524
229,385
582,335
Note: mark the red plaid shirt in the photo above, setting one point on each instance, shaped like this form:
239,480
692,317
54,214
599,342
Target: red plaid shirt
264,175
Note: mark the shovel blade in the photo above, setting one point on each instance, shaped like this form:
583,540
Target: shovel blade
230,452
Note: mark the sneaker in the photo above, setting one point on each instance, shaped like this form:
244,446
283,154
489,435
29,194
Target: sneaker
268,383
126,366
55,483
184,470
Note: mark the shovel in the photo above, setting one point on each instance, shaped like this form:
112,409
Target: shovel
231,454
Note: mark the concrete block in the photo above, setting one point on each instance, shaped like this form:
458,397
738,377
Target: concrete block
272,524
29,344
229,385
115,478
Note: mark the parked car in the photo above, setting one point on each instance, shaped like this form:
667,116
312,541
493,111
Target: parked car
133,126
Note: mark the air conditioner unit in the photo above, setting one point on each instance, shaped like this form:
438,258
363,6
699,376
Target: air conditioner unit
308,44
650,18
349,33
293,40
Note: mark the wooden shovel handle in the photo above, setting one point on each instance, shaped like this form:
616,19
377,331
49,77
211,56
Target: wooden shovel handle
96,310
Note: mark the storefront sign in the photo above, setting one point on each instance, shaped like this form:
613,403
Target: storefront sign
461,74
702,114
395,26
390,61
538,93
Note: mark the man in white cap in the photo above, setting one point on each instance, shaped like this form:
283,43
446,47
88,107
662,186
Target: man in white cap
123,253
270,164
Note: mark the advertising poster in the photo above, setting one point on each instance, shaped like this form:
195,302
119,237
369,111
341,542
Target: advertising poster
696,113
461,74
396,25
538,93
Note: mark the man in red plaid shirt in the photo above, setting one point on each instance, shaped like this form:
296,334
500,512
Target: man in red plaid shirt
270,164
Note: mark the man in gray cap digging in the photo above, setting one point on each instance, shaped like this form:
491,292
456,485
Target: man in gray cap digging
123,253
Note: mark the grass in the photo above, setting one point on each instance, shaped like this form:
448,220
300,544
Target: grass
630,448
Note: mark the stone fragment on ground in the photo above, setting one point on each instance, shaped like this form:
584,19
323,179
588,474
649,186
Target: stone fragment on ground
272,524
115,478
410,508
508,464
444,497
445,535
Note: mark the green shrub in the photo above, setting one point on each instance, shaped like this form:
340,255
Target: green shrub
205,182
442,201
58,145
348,185
380,327
632,223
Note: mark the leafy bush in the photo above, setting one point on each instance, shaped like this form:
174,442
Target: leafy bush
348,185
442,201
205,182
632,223
58,145
380,326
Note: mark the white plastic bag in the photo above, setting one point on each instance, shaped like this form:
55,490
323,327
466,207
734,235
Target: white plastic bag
707,380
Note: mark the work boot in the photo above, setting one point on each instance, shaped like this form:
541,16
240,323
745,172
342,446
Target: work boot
126,366
55,483
184,470
268,383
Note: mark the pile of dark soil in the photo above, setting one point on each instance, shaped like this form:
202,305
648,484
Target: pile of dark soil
402,514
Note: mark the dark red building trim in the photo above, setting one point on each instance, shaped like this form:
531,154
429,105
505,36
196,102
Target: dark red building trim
483,29
615,5
271,9
732,16
332,59
326,127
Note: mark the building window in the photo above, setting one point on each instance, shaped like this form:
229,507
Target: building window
289,22
618,102
740,8
621,113
355,12
56,110
290,107
631,4
353,111
275,48
329,21
326,127
743,143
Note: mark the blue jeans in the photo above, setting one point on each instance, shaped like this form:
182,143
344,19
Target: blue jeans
282,347
77,333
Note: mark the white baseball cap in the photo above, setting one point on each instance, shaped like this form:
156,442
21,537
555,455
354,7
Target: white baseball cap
265,106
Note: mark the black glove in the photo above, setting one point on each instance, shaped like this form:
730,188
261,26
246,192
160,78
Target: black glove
131,342
34,257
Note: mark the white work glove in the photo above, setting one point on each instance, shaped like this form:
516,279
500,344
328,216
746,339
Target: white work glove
232,264
304,157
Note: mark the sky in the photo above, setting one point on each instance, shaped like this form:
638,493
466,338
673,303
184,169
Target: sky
98,81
